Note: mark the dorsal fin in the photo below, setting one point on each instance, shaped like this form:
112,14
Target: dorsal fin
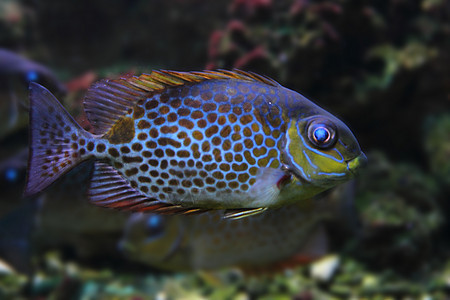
163,79
110,99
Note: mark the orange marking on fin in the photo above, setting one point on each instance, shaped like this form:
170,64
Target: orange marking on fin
160,80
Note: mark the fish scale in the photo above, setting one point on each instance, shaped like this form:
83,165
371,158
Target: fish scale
184,142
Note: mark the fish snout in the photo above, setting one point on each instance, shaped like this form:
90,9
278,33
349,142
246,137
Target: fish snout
357,163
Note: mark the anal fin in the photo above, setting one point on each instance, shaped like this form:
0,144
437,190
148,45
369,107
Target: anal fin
109,189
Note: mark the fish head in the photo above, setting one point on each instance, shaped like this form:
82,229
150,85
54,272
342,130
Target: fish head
153,239
321,151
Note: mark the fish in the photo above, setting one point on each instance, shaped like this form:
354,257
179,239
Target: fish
271,241
188,142
15,65
16,72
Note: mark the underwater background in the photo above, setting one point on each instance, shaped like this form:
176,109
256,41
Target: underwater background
382,67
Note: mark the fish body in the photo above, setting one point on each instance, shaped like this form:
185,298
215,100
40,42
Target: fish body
185,142
209,242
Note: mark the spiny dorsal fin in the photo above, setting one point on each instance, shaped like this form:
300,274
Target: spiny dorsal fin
109,100
163,79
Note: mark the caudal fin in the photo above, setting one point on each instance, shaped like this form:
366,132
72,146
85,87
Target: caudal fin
54,135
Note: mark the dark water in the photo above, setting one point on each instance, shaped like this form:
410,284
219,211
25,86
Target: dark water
382,68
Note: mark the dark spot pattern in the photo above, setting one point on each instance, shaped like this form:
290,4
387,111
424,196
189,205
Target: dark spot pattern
198,141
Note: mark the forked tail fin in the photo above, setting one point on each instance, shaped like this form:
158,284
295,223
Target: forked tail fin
54,139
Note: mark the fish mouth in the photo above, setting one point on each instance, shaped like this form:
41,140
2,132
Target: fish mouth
355,164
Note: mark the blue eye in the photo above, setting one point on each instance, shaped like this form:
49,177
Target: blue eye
322,134
32,76
155,225
154,221
11,175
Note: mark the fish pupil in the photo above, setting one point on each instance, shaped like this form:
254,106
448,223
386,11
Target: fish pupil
321,135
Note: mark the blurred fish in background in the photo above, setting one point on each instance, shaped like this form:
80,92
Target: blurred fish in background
61,219
18,215
290,235
16,73
58,213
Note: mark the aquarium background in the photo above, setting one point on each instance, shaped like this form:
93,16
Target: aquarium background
382,66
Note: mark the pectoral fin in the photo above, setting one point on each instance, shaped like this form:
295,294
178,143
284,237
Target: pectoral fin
267,186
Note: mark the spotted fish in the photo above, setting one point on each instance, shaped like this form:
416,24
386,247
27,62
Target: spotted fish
186,142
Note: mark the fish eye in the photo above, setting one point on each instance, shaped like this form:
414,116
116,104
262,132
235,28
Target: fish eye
155,225
31,76
11,175
321,134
